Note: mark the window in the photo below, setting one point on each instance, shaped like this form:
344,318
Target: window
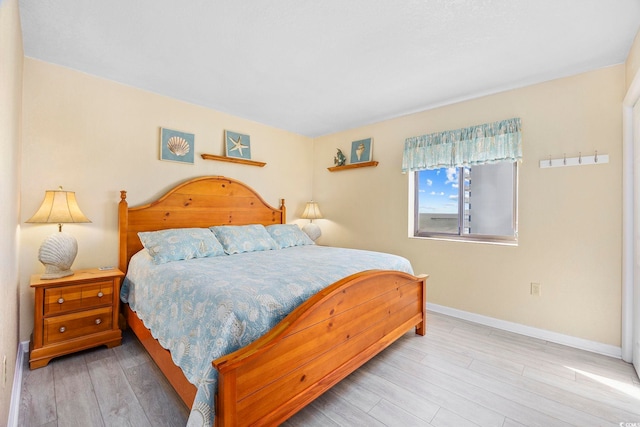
465,182
476,202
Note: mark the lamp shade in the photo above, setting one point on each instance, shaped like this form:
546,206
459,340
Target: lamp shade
59,207
59,250
311,211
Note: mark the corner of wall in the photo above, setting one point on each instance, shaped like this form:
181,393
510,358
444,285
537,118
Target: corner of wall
632,63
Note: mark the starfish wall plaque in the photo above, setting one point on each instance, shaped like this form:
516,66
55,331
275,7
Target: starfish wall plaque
237,145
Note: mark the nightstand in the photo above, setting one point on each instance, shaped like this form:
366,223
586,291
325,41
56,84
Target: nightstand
75,313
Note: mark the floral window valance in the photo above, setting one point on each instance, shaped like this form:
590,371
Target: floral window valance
487,143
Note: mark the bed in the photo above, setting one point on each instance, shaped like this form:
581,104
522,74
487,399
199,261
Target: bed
325,337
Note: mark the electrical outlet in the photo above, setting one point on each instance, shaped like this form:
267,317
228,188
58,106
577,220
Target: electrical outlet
536,289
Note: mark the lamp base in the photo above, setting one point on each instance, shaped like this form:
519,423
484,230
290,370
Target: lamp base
312,230
53,272
57,253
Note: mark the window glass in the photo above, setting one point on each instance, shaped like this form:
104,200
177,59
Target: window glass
438,193
475,203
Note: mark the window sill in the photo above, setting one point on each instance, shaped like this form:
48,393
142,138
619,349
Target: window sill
513,243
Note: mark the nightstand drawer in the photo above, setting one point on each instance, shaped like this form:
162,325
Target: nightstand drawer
70,298
69,326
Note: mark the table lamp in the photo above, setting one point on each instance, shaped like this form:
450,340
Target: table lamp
311,212
58,251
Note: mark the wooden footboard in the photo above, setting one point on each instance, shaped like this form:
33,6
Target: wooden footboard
318,344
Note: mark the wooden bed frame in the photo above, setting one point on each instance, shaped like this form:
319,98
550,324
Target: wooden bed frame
315,346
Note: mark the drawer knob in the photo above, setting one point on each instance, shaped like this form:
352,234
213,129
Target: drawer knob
100,294
98,321
60,300
62,329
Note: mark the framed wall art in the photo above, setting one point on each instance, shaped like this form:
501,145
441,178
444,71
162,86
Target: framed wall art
361,150
176,146
237,145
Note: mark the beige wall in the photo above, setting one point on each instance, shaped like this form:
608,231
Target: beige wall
11,58
569,218
96,137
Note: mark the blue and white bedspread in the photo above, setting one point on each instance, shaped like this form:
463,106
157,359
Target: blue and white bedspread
201,309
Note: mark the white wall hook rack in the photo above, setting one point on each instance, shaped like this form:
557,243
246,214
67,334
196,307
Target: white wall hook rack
596,159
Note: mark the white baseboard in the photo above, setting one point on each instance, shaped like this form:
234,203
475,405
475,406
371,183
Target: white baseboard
568,340
16,390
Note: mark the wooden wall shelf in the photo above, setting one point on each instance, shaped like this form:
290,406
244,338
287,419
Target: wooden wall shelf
353,166
232,160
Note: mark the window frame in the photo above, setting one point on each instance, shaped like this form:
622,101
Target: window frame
414,210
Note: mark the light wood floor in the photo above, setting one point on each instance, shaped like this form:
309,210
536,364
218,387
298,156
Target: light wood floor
459,374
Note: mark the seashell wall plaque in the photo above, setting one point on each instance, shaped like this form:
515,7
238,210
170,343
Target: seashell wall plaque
176,146
361,150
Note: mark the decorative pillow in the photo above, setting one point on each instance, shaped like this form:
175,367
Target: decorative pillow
236,239
287,235
180,243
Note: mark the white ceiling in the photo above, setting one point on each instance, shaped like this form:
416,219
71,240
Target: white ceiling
320,66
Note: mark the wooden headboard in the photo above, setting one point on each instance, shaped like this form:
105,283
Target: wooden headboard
199,202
